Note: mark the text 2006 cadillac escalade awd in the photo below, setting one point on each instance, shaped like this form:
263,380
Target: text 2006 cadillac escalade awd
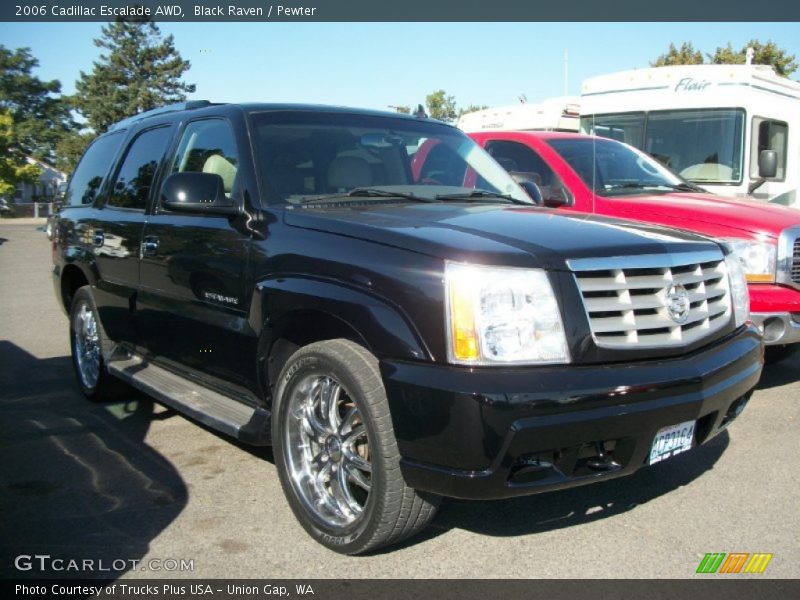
399,326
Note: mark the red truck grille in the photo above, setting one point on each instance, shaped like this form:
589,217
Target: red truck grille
795,273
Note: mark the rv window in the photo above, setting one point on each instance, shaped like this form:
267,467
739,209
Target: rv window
626,127
769,135
704,146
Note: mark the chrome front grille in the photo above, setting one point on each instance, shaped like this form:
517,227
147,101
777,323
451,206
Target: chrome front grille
788,267
795,267
654,301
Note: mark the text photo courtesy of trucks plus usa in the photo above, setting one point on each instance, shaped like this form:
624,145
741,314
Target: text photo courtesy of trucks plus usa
338,330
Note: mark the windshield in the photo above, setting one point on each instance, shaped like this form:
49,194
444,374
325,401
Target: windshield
701,145
307,155
610,168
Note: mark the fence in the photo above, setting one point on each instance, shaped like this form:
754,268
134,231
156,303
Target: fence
30,209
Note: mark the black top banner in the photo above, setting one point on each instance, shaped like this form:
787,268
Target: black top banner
400,10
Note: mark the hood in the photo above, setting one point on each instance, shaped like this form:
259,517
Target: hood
710,215
492,234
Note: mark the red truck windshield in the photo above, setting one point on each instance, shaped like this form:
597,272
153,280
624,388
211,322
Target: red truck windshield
610,168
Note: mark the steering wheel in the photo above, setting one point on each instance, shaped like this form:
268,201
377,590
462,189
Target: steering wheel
647,167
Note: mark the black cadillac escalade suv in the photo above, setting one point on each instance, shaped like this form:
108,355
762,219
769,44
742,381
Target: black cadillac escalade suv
375,297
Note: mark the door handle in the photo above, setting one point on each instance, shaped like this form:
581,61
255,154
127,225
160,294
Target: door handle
150,246
99,238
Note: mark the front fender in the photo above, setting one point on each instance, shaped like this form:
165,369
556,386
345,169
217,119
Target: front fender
383,325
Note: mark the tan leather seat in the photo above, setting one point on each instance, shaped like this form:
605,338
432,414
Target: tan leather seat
348,172
708,172
219,165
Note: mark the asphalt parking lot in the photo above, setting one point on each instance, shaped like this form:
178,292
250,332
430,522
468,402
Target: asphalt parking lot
137,482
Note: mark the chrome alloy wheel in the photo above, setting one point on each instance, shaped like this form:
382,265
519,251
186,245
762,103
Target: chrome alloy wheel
327,450
87,346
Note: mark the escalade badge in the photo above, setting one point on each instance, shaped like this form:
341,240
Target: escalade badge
677,303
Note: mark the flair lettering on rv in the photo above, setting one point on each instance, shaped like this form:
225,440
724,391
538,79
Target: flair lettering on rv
687,84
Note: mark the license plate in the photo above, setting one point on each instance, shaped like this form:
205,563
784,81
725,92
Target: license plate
672,440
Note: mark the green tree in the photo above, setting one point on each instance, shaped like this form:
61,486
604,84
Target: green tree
472,108
763,54
14,167
39,115
441,106
140,70
402,108
685,55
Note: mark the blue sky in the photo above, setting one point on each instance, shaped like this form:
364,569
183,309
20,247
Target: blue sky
374,65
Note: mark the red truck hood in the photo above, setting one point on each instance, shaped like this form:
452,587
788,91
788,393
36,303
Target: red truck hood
704,213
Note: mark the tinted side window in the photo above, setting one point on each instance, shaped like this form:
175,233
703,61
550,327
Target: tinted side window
208,146
92,168
135,177
524,163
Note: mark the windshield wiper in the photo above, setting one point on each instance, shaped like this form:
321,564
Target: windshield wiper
481,195
680,187
685,187
366,193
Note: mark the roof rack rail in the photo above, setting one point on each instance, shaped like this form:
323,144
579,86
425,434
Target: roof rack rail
178,106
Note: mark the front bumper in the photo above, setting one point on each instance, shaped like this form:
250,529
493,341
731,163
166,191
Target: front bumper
485,433
775,309
778,328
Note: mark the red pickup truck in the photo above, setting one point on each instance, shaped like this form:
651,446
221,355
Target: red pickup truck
605,177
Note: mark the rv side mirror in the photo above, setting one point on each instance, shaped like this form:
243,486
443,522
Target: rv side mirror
767,164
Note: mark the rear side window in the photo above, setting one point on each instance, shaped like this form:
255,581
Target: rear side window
92,169
135,177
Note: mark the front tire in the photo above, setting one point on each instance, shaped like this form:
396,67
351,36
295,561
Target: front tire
336,452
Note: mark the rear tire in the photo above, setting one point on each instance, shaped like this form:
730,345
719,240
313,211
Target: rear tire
773,354
90,345
336,452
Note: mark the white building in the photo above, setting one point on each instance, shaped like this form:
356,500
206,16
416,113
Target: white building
43,190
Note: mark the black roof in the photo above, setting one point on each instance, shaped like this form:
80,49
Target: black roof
263,107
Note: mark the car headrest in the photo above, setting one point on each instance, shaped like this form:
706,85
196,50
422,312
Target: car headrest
348,172
219,165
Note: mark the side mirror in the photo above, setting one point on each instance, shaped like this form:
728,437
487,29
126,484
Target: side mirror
558,196
532,190
767,164
198,193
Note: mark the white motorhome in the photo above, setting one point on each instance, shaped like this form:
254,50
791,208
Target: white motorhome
708,123
553,114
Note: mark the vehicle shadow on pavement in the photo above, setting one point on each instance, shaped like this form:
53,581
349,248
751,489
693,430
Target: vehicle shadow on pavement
577,506
77,480
780,373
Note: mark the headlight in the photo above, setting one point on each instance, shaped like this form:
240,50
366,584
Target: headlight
757,259
740,297
502,315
